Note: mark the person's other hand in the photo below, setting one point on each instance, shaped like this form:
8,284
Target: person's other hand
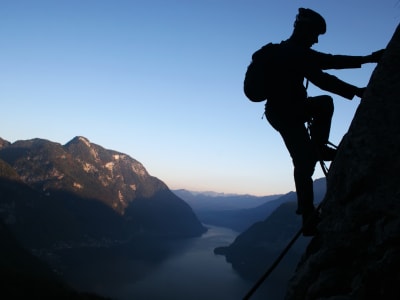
375,57
360,92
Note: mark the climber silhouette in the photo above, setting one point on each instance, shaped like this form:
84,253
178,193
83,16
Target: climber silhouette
289,109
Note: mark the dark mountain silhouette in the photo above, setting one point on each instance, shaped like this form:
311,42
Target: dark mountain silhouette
356,254
84,192
4,143
23,276
78,202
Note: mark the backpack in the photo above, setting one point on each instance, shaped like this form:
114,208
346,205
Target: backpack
260,73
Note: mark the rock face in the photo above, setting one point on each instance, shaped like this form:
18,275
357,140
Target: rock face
356,254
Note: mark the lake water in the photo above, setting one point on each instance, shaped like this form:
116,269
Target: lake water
194,272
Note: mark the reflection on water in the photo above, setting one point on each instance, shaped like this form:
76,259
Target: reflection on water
191,272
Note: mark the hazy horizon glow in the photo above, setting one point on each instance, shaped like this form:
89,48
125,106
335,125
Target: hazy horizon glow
162,81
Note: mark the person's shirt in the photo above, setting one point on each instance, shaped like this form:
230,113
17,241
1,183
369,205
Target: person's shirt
294,64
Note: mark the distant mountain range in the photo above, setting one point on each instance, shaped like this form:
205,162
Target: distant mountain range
211,201
239,212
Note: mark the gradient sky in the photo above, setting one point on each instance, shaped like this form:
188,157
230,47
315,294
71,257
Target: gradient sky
161,80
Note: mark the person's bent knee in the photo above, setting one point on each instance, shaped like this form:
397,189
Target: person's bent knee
321,105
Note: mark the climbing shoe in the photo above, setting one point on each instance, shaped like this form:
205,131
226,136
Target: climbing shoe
327,153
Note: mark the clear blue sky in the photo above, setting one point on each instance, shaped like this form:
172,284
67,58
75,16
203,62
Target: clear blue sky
161,80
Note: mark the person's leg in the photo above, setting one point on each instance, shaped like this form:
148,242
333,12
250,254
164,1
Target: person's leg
299,145
320,110
302,151
304,157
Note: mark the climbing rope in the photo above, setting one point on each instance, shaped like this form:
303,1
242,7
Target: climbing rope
325,169
276,262
273,266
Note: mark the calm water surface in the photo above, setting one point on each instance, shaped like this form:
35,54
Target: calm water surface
192,273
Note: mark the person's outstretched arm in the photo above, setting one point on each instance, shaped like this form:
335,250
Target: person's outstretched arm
329,61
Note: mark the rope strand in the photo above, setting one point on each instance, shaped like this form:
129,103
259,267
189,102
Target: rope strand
277,261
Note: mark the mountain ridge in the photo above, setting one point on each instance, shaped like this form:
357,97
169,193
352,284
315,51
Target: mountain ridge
49,165
78,177
239,212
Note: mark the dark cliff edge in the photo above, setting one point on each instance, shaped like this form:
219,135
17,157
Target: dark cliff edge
356,254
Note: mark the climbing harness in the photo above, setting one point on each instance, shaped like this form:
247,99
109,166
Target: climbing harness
325,169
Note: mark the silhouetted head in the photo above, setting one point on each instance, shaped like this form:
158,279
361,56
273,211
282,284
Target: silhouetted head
308,26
